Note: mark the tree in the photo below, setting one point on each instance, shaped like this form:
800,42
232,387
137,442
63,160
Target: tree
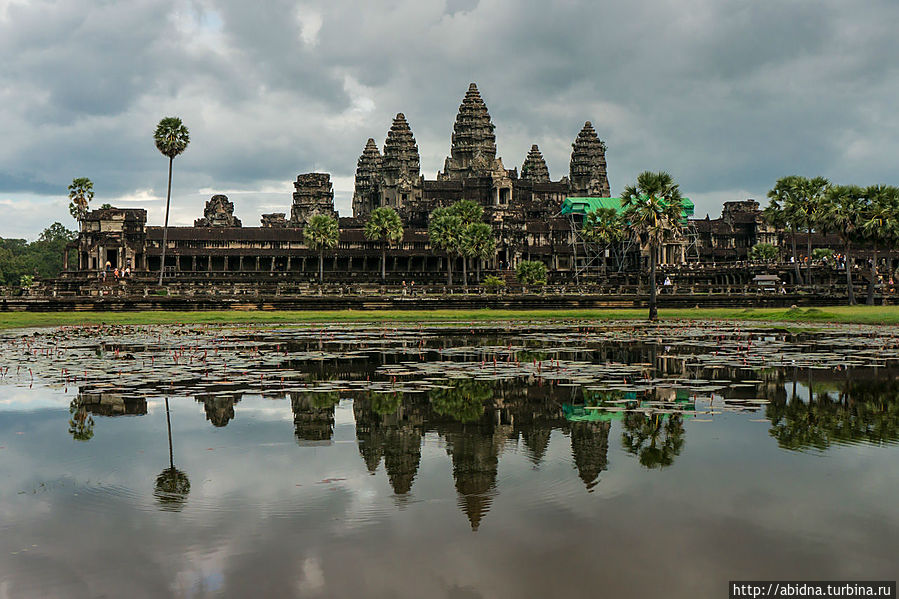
470,213
384,225
478,243
171,139
843,210
785,211
444,232
603,227
763,252
57,232
880,225
81,192
812,192
321,233
653,212
531,273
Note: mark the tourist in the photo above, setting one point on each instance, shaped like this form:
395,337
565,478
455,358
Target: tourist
412,289
404,288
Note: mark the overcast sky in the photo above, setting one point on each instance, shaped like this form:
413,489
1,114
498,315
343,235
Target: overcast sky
726,95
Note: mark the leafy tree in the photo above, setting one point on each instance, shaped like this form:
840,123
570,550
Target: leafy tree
478,243
784,212
43,257
822,254
470,213
57,232
603,227
653,212
763,252
880,225
843,212
81,192
463,402
493,284
653,438
171,139
106,206
384,404
531,273
444,233
384,225
321,233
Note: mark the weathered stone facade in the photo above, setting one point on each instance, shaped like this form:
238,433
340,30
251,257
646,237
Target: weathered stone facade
219,212
314,195
588,165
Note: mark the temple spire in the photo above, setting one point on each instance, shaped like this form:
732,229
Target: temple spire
368,171
588,165
401,160
473,151
534,167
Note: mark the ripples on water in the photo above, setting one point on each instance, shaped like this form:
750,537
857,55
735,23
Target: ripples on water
583,447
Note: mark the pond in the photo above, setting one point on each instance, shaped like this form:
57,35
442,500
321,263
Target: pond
510,460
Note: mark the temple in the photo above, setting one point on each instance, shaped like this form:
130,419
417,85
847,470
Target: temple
533,216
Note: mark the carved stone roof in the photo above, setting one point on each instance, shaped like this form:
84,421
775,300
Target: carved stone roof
473,150
368,173
588,165
534,167
401,160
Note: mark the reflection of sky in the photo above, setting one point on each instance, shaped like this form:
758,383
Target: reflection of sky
266,516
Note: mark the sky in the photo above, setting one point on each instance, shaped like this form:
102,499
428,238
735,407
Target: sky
726,95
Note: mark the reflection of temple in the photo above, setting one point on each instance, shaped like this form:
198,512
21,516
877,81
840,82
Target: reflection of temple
590,448
396,437
112,404
219,408
313,417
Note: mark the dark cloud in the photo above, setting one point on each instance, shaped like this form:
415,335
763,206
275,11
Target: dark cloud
726,95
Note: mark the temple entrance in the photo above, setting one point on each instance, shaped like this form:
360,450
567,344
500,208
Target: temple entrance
112,256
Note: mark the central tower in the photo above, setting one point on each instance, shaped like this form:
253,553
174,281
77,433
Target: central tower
473,151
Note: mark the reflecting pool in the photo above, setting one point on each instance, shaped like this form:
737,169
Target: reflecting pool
511,460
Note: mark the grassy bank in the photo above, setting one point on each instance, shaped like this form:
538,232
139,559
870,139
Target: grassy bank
836,314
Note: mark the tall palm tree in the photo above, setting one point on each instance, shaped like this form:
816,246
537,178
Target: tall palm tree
469,212
811,191
384,224
444,232
81,192
603,227
843,210
478,243
171,139
880,225
786,210
321,233
653,212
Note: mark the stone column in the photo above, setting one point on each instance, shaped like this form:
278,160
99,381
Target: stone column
257,263
193,264
209,263
240,263
288,264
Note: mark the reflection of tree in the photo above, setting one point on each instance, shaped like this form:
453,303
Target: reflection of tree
81,423
653,438
464,401
590,448
313,415
863,410
385,403
172,485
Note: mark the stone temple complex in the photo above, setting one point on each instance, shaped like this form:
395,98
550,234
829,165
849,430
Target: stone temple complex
523,208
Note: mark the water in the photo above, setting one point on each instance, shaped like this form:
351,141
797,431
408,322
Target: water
585,461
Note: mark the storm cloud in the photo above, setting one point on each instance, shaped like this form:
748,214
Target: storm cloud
727,95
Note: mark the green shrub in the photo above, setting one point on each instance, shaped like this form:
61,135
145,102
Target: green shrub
822,254
763,252
492,283
531,273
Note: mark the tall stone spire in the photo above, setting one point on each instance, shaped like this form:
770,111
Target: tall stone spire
588,165
534,167
473,151
401,162
368,172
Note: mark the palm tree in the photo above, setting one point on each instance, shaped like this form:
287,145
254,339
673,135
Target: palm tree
444,232
172,485
603,227
786,210
384,224
171,139
880,225
843,210
321,233
470,213
812,193
653,212
478,243
81,192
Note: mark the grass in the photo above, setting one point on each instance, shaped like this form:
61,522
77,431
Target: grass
837,314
